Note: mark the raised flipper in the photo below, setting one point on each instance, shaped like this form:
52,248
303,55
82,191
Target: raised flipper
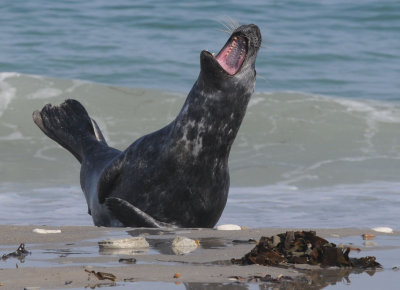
131,216
69,125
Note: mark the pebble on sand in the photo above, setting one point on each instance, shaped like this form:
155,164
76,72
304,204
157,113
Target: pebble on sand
183,245
368,236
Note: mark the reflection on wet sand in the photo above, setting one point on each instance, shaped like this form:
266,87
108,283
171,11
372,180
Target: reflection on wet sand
312,279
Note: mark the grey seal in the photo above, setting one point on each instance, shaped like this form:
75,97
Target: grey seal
177,176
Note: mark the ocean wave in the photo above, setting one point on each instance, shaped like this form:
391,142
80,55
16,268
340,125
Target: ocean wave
290,138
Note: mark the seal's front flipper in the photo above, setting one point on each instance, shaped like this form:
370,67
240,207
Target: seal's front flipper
131,216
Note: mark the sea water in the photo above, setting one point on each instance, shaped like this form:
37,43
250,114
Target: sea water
319,145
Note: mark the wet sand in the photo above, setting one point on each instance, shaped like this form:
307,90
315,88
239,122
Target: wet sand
65,260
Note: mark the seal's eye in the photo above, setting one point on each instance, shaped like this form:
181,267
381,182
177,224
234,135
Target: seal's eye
232,55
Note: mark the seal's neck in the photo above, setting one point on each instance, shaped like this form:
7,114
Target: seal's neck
209,120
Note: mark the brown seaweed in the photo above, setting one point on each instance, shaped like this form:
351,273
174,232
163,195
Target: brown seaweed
127,261
102,275
303,247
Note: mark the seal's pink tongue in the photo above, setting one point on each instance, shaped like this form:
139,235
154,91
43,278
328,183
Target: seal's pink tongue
231,57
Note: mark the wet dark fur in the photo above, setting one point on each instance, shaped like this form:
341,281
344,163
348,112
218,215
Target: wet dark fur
176,176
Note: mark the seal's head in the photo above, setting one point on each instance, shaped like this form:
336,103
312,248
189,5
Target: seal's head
234,65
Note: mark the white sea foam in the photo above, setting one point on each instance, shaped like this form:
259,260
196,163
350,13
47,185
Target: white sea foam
255,100
7,92
45,93
373,113
6,75
40,153
14,136
76,84
378,111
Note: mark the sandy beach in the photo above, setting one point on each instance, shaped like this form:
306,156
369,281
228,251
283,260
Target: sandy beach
68,259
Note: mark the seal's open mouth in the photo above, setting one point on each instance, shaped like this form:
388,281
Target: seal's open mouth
232,55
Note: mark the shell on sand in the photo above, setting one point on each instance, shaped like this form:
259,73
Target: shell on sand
127,243
385,230
228,227
43,231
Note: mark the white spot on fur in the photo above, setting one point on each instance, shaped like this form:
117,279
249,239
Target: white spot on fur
196,144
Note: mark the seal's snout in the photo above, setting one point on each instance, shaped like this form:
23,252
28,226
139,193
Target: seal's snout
252,33
241,47
257,38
